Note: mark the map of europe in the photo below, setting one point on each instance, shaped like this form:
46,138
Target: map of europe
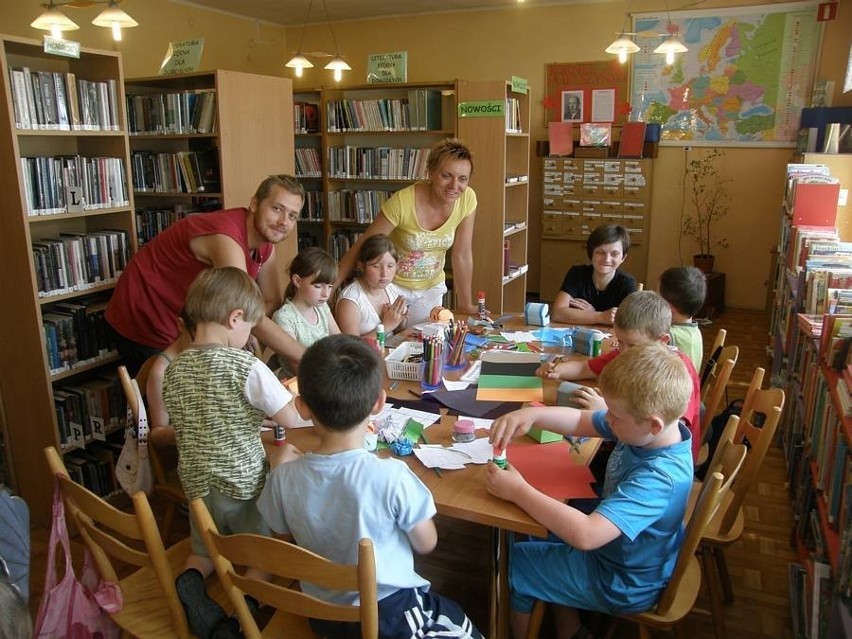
744,79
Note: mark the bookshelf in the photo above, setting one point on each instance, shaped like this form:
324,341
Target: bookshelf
501,149
61,255
580,194
250,136
308,127
816,433
375,139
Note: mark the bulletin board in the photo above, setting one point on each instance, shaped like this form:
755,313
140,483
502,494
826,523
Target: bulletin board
594,83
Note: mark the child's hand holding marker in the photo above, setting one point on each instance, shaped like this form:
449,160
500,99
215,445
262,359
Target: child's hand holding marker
550,370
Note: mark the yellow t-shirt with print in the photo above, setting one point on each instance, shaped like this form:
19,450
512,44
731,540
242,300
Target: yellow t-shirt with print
422,252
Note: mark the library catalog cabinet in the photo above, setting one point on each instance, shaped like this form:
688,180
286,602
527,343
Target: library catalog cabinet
68,228
580,194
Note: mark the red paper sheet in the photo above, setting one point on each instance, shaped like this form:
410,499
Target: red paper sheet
550,469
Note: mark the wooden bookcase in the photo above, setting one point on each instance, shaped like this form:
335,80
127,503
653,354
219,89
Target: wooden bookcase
26,381
816,432
501,149
580,194
253,137
372,138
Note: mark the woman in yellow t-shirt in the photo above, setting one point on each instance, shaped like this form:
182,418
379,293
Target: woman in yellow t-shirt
424,220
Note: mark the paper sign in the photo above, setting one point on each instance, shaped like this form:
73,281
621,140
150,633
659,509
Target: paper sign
182,57
387,68
482,109
58,46
519,85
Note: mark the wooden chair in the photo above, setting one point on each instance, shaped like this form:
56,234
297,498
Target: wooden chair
714,393
727,525
713,356
288,564
680,594
166,483
151,606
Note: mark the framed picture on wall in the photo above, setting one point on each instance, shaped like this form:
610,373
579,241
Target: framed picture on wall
572,106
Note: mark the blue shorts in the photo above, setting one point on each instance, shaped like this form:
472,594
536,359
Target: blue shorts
556,572
410,613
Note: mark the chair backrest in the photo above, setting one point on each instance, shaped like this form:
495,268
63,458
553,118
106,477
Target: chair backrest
713,356
289,562
112,535
714,392
767,403
160,475
730,458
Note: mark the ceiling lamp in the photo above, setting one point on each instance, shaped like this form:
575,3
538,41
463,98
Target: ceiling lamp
56,22
670,46
300,62
53,20
115,19
622,46
672,43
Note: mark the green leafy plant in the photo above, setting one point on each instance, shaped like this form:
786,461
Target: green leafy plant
707,194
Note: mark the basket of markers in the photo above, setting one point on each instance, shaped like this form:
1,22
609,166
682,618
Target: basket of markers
403,362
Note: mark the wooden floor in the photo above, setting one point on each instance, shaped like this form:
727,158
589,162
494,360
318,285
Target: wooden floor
758,562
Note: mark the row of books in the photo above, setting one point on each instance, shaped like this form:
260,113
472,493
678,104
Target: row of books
377,163
75,334
308,164
53,100
420,111
305,117
356,205
176,113
312,210
513,116
89,410
94,467
100,182
152,221
341,241
181,172
78,261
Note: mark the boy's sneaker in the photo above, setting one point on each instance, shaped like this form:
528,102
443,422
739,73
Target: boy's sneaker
227,629
202,613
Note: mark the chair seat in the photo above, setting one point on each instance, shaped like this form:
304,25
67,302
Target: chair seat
145,611
285,624
687,594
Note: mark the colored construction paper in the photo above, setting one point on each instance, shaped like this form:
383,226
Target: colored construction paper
550,469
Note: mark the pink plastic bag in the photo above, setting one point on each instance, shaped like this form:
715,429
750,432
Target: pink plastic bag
74,609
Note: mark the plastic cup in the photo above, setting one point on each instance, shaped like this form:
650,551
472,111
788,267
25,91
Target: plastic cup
455,361
432,370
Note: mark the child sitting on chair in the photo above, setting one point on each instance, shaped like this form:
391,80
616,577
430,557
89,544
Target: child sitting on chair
217,395
619,558
344,493
372,298
591,293
684,288
305,315
643,317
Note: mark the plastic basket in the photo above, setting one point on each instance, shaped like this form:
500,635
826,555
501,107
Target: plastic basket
396,365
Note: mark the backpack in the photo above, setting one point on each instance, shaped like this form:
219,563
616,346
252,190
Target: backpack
717,425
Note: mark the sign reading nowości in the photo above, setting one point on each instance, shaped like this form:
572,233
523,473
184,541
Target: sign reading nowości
482,109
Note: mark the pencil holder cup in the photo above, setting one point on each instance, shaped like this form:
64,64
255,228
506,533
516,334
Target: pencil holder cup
456,358
432,367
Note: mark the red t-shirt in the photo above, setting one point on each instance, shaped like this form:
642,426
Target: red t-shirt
692,415
151,292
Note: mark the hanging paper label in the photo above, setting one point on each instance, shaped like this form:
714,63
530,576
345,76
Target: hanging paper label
387,68
182,57
58,46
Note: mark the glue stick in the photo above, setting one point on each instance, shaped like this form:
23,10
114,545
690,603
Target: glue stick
280,437
499,457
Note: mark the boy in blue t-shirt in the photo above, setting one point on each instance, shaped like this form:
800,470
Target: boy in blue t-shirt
329,499
619,558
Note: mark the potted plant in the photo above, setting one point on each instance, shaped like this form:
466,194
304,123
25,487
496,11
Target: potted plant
706,191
